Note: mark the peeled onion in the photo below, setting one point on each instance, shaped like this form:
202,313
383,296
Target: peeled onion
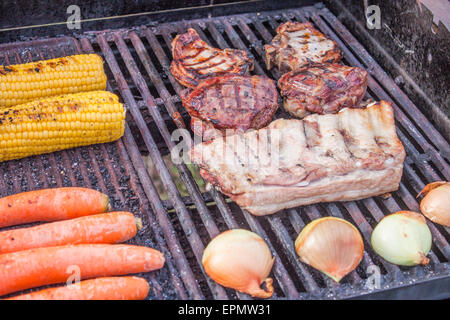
331,245
241,260
402,238
436,203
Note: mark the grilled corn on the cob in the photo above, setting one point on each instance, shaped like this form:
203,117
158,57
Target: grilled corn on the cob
61,122
22,83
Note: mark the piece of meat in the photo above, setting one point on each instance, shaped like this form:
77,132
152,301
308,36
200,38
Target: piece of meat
350,155
233,103
299,44
194,60
323,88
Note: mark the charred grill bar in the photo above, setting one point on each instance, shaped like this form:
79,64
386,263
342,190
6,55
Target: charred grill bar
137,64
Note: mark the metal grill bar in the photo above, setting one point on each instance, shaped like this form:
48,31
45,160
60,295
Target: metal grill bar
180,124
140,83
280,270
277,227
151,70
209,224
186,222
224,210
180,259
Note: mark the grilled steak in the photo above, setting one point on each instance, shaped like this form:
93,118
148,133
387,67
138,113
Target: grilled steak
325,88
335,157
231,102
194,60
297,45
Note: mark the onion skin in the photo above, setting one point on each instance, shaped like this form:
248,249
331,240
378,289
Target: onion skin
241,260
331,245
436,203
402,238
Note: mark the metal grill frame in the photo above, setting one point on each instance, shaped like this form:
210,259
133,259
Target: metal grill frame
138,74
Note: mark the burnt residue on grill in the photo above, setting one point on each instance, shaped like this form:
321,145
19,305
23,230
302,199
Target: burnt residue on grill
137,64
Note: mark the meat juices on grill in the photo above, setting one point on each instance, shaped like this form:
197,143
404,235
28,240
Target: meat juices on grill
324,88
231,102
299,44
194,60
350,155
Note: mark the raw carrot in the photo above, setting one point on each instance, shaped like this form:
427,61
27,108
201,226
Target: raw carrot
111,227
38,267
108,288
51,205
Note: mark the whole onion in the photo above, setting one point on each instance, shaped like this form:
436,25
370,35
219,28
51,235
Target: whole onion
402,238
331,245
436,203
241,260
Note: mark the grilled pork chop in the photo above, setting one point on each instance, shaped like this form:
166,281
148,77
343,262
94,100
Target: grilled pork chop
324,88
297,45
194,60
350,155
231,102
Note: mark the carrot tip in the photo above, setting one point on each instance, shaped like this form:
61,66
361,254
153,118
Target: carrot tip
108,204
139,223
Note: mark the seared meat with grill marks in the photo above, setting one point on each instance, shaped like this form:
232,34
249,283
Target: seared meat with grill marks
194,60
297,45
231,102
350,155
325,88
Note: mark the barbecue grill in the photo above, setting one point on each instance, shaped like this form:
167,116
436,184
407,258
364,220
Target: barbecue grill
137,62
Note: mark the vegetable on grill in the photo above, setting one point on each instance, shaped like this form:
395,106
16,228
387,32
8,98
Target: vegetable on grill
26,82
107,288
61,122
403,238
51,205
332,245
39,267
114,227
435,204
240,259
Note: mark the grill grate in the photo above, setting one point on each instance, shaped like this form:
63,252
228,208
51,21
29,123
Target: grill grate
138,65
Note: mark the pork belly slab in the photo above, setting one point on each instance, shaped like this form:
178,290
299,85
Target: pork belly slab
350,155
297,45
322,88
195,60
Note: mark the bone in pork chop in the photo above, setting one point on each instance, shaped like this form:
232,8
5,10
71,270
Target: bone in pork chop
324,88
299,44
350,155
238,103
194,60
